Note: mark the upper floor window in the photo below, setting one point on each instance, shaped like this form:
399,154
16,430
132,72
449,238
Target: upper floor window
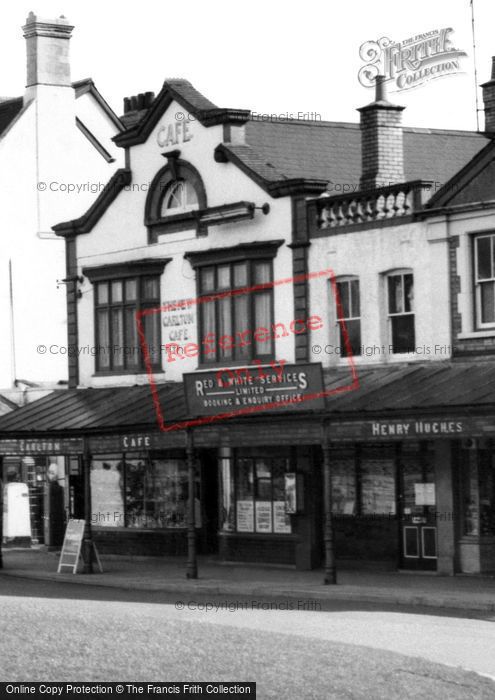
484,258
180,196
120,291
400,287
349,316
117,302
232,320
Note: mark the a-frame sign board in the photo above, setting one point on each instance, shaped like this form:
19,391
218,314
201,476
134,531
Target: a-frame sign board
71,548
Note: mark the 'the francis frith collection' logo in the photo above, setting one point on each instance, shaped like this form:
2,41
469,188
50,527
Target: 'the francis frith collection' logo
412,62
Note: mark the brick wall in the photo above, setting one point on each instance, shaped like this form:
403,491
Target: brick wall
381,147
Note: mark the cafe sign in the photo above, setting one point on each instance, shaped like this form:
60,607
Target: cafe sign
275,387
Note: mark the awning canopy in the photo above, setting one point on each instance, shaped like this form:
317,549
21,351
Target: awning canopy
436,386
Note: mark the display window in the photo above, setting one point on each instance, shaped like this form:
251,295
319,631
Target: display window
253,498
141,491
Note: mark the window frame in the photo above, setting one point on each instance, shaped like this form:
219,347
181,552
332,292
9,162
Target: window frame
216,294
477,284
343,320
402,273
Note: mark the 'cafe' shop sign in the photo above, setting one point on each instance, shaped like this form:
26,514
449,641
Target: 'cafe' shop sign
173,134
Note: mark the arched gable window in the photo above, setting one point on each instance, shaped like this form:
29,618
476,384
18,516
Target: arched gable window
176,195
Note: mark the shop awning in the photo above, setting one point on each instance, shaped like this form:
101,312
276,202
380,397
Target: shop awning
436,386
433,385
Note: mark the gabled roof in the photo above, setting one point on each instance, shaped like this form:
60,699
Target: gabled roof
307,153
87,85
9,109
474,183
191,100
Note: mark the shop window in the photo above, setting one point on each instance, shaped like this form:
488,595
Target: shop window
180,196
377,477
478,492
343,484
116,304
141,492
230,321
349,315
400,288
253,494
484,264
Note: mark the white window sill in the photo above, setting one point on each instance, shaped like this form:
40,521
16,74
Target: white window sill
477,334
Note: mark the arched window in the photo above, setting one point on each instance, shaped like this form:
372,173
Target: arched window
176,195
180,196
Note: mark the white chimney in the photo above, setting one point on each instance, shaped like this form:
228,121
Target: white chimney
47,44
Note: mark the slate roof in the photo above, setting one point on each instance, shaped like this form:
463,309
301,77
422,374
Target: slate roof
9,109
279,150
442,386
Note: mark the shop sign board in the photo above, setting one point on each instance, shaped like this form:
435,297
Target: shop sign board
416,428
241,390
46,446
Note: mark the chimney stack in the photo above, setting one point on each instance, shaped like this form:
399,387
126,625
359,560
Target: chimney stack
489,100
47,43
382,152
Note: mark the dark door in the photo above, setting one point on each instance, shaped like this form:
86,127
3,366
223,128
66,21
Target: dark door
417,511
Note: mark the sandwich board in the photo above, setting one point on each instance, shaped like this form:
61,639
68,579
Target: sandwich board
71,548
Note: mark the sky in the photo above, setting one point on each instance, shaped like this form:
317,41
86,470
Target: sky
270,56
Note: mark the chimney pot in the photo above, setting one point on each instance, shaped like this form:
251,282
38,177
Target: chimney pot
380,88
47,44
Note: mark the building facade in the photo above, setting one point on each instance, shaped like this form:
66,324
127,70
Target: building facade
56,155
264,316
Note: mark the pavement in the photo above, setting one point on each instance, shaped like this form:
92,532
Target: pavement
168,574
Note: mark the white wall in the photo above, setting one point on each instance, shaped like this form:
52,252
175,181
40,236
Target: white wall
121,236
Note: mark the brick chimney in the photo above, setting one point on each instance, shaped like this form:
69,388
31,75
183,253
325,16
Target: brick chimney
382,153
47,44
489,100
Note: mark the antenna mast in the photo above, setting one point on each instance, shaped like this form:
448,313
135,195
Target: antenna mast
475,69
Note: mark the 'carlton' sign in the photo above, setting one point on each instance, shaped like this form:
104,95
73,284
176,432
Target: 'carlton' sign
274,387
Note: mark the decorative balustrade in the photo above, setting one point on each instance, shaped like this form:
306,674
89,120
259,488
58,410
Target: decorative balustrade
393,202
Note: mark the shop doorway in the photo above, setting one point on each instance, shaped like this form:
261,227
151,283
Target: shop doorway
417,510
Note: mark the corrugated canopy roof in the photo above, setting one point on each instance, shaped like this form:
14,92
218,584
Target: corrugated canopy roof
434,386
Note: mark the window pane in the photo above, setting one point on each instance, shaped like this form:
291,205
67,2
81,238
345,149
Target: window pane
353,328
118,337
102,293
135,478
403,333
103,334
377,484
243,334
227,516
343,310
484,258
208,326
408,293
151,288
240,275
395,298
207,279
132,346
190,196
116,292
223,279
262,272
262,319
166,493
343,485
487,302
245,487
355,301
107,498
131,290
225,327
151,327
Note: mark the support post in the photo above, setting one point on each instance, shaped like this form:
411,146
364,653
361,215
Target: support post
1,521
328,534
192,564
87,545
